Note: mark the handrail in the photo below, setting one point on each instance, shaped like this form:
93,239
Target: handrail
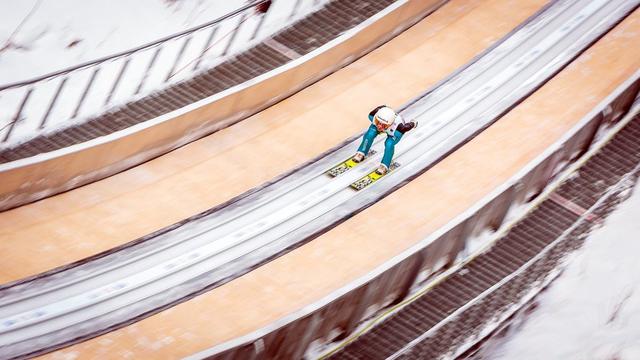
136,49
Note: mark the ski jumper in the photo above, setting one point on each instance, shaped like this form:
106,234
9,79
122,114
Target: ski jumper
394,134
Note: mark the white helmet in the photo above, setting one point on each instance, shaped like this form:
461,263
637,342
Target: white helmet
385,116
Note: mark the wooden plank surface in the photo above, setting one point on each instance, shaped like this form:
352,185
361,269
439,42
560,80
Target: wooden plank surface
97,217
338,257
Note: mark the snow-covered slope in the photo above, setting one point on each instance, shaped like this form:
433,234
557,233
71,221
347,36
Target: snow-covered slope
38,37
592,311
56,34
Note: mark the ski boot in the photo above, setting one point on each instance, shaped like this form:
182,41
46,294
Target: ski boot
382,169
358,157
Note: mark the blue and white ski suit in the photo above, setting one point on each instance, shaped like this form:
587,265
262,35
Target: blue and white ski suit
394,135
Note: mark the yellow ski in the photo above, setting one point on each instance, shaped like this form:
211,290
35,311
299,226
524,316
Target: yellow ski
371,178
345,166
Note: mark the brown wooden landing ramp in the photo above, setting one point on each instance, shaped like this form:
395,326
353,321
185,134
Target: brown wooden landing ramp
338,257
106,214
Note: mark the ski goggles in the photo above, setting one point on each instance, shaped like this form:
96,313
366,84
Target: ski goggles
379,125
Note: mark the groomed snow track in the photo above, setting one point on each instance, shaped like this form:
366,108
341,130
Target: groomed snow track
86,299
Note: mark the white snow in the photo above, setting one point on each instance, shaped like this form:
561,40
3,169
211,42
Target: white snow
101,28
38,37
592,311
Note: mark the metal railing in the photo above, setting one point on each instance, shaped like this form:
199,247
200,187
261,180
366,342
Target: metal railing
59,99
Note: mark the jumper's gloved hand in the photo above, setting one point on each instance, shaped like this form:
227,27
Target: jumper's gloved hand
404,127
374,111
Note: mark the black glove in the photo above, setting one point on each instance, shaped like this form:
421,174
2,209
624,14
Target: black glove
404,127
374,111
